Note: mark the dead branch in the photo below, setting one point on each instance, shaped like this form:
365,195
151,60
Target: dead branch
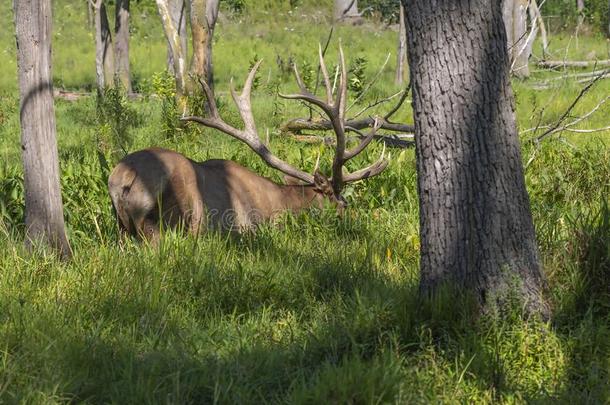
378,102
557,125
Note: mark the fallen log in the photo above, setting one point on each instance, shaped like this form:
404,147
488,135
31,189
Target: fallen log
390,140
295,126
551,64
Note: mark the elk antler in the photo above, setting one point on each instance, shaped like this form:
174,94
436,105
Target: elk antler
249,134
335,110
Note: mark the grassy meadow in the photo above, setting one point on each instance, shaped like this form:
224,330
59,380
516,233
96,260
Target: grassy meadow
315,308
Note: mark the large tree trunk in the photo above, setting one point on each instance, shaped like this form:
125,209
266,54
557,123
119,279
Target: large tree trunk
203,20
346,10
174,41
475,223
44,221
121,30
177,10
401,52
104,53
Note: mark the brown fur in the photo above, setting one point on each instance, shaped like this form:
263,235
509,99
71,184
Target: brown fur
157,186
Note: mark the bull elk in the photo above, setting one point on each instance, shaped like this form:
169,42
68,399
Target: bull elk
156,187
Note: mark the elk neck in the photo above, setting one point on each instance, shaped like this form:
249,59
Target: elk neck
301,196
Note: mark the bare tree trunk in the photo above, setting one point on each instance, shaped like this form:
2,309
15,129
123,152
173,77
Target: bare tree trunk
519,43
104,53
401,52
346,10
178,57
211,13
476,227
177,10
89,14
535,15
44,221
520,56
203,21
121,30
580,9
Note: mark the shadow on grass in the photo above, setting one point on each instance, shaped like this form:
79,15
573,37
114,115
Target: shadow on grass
584,318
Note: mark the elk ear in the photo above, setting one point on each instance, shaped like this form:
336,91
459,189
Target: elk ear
321,183
292,181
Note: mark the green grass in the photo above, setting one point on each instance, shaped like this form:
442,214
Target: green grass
314,309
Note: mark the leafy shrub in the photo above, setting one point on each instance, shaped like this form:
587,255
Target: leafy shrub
12,196
357,75
115,117
164,86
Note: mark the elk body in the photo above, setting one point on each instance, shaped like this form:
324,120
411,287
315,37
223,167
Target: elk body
156,187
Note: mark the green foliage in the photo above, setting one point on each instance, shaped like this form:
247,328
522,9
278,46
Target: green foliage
164,86
257,77
11,196
595,13
385,10
357,75
115,117
235,6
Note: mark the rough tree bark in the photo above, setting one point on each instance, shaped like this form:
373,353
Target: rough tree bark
476,227
346,10
44,221
174,41
177,10
203,21
104,53
401,52
121,47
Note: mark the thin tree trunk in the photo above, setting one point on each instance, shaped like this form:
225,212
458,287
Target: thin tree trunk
476,227
203,20
104,53
401,52
178,57
177,10
121,30
346,10
520,55
89,14
211,13
537,16
580,9
44,221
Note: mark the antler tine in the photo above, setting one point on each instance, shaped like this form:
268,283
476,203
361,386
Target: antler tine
243,102
329,89
342,92
317,166
209,97
248,135
306,95
364,142
369,171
